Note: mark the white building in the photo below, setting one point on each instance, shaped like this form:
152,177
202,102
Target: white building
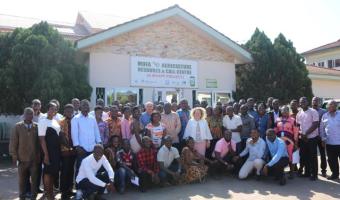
164,56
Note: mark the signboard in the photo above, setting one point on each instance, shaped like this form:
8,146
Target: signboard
211,83
159,72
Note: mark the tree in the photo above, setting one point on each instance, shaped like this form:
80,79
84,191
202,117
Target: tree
38,63
278,70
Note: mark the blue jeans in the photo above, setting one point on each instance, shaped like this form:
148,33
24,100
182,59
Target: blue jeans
123,175
174,166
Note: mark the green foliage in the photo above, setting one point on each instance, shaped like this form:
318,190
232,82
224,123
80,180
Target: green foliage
278,71
38,63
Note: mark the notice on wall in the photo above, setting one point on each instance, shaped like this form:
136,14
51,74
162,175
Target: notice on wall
160,72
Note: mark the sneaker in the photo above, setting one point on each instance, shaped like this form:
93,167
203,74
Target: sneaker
333,177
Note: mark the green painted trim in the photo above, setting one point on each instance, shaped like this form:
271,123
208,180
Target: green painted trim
144,21
324,77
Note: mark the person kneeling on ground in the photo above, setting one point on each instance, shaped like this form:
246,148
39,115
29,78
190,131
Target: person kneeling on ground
256,148
169,162
91,182
225,154
279,157
148,166
127,165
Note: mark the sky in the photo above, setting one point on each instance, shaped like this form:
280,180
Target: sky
307,23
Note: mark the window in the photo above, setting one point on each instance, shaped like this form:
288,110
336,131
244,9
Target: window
321,64
100,93
204,96
330,63
337,63
222,97
123,95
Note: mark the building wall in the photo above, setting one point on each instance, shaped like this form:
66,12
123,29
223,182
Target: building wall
110,70
167,39
326,88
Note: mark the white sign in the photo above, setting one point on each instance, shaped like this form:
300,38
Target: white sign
159,72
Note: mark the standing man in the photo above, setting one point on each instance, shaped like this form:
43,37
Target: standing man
316,106
85,133
172,124
294,107
76,106
145,118
68,153
308,121
233,123
269,104
251,110
248,124
25,150
36,106
275,113
330,134
114,122
184,116
101,103
278,157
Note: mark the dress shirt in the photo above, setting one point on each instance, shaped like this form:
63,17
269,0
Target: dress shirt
167,155
172,125
125,125
330,128
85,132
145,118
306,119
89,168
256,151
222,147
277,150
233,123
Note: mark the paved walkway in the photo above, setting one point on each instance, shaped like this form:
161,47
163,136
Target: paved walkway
226,188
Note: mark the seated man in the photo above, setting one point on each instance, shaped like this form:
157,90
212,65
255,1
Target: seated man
148,166
127,164
225,154
169,162
256,148
91,182
279,157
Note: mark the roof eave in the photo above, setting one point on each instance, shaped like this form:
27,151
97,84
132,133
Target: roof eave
243,55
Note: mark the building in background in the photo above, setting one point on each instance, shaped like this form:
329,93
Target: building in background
327,56
164,56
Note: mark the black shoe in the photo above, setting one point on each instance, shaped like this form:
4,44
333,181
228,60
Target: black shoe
333,177
283,181
40,191
324,174
65,197
291,175
313,178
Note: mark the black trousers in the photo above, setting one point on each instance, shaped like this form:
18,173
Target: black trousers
218,168
322,151
309,156
89,188
210,150
67,173
145,180
333,153
277,170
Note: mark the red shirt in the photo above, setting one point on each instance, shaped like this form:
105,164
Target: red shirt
147,160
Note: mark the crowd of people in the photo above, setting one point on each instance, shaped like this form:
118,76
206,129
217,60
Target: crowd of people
158,144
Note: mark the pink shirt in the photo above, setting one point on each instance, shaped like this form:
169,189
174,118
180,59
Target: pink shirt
222,147
306,119
125,127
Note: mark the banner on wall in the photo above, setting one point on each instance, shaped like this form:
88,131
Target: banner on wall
160,72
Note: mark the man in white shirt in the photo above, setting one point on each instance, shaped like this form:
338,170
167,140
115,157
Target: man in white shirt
84,132
233,123
76,105
169,162
91,182
256,148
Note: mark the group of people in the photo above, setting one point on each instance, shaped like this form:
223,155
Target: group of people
110,148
